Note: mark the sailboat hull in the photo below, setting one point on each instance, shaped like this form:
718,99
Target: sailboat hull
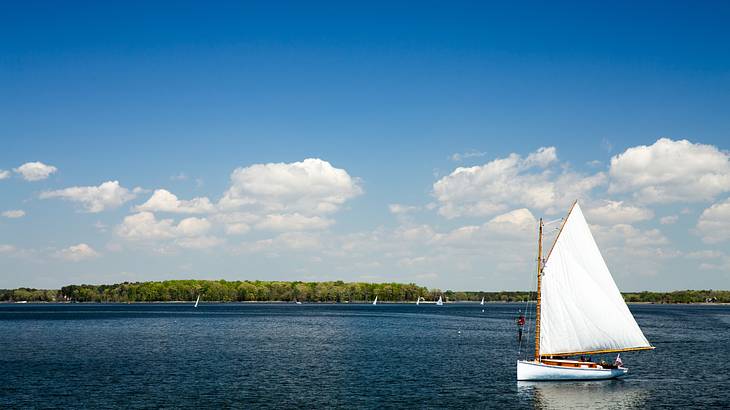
531,370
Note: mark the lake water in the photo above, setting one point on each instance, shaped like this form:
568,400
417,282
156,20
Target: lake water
314,356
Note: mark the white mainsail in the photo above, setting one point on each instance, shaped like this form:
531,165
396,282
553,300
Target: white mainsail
375,302
196,301
582,310
439,302
482,302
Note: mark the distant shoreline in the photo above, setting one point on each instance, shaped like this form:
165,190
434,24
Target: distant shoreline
274,302
247,291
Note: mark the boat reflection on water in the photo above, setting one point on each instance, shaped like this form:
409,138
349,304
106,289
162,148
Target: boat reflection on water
582,395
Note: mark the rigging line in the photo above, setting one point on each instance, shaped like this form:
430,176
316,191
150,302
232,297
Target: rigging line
533,289
519,342
527,321
528,314
552,222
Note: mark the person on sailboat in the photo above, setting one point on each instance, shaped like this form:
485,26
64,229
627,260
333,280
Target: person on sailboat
520,325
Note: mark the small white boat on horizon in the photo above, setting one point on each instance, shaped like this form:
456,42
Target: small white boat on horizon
422,301
579,311
482,302
375,302
197,301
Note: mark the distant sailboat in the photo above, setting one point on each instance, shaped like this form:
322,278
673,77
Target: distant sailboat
440,302
482,302
197,301
580,311
418,301
375,302
298,302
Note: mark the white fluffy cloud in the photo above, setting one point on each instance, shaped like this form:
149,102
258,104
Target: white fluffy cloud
630,251
310,187
669,219
512,181
518,224
94,199
35,171
293,222
163,200
4,174
14,213
617,212
193,226
714,222
281,197
144,226
623,238
543,157
671,171
285,196
77,253
236,223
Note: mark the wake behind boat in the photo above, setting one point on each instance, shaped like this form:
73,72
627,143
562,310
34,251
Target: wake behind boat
580,310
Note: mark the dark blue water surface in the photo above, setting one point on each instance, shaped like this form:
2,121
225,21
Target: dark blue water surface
314,356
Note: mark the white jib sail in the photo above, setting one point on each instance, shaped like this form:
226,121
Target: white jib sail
582,310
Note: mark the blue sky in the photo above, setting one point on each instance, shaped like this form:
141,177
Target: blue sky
177,97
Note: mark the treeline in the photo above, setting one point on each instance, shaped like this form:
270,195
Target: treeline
30,295
680,296
275,291
244,291
504,296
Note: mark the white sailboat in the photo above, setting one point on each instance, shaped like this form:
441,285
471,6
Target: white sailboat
375,302
197,301
580,311
482,302
440,302
418,301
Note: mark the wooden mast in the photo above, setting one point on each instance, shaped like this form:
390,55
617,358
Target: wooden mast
539,281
